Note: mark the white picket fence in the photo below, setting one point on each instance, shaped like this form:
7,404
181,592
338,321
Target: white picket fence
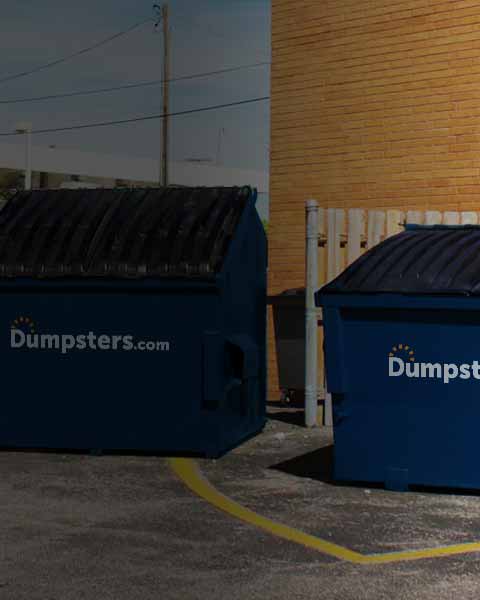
335,238
346,234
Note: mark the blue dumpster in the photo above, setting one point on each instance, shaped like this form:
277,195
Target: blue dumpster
402,344
132,319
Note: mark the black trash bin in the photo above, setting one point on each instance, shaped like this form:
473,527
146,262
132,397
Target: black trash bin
289,324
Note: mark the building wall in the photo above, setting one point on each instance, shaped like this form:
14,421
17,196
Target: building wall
374,104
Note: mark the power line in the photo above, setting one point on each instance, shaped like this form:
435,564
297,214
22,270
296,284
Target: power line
130,86
68,57
139,119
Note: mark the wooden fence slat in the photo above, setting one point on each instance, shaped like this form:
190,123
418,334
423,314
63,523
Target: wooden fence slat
395,219
340,231
415,217
376,227
321,222
356,230
433,217
330,244
335,230
370,228
469,218
322,250
379,229
451,218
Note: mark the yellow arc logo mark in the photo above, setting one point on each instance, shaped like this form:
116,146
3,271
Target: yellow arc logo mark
25,323
404,350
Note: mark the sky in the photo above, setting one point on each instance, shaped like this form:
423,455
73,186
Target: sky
207,35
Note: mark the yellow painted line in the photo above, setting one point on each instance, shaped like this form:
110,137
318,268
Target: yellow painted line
189,473
187,470
441,551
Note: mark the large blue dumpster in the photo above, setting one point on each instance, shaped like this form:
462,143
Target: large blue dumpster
132,319
402,343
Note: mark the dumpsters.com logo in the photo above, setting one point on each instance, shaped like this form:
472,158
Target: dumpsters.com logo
23,334
402,363
24,324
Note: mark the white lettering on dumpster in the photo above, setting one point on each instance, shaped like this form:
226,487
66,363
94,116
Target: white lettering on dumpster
396,367
446,372
26,338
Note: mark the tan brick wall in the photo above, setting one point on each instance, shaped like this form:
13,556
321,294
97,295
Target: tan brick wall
375,103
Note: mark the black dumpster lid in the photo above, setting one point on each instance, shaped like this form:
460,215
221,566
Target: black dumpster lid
420,260
290,297
119,233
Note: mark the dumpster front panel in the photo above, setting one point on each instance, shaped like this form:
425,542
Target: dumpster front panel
106,370
406,395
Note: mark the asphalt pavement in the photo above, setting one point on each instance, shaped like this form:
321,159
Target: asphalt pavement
81,527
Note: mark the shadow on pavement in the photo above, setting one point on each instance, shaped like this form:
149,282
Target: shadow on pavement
318,465
292,417
313,465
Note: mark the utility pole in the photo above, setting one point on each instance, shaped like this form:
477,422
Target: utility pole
221,133
162,15
26,130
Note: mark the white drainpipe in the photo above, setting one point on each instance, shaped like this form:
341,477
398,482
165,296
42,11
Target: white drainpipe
311,316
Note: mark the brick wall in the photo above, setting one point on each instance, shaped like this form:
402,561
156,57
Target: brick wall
375,103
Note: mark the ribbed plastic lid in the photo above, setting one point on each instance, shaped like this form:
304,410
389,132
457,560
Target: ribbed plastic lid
119,233
420,260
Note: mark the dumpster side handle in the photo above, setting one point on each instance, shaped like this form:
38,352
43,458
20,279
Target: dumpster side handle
213,345
225,370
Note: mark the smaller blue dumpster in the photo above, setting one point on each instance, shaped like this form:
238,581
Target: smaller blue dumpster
132,319
402,343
